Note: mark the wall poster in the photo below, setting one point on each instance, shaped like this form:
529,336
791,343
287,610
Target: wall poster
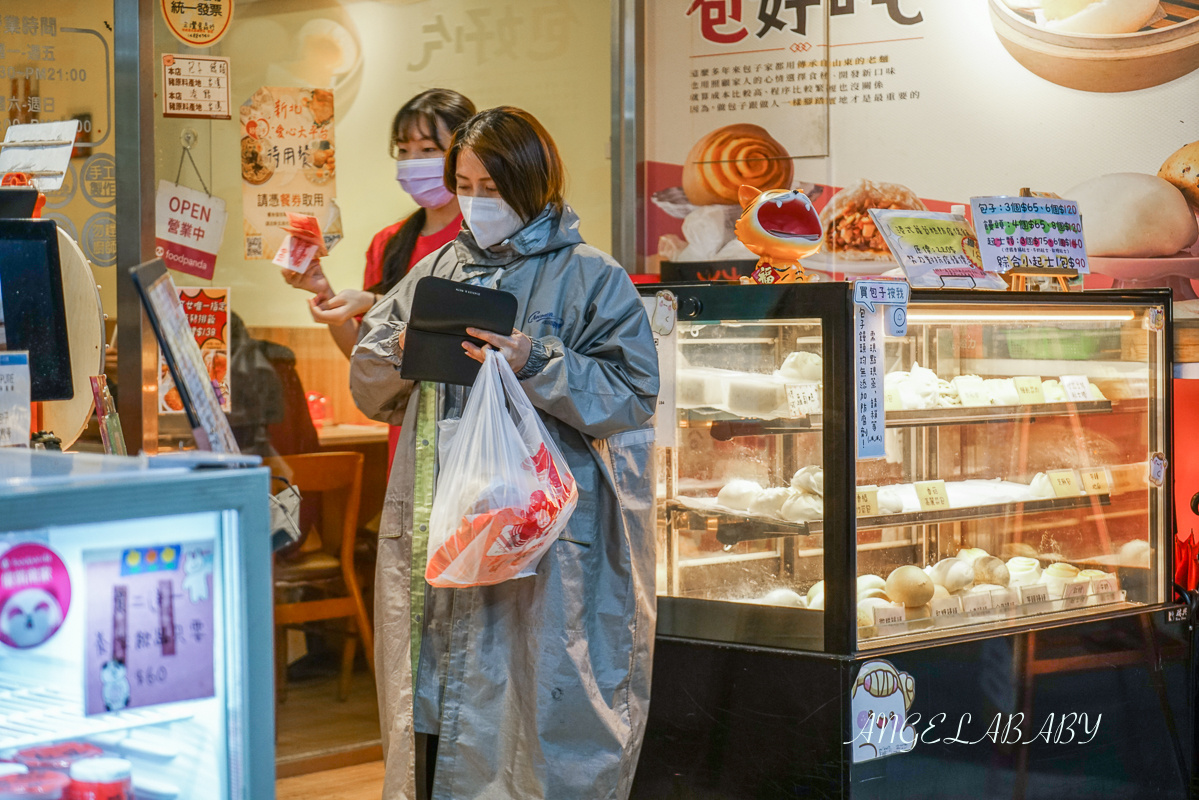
288,163
916,105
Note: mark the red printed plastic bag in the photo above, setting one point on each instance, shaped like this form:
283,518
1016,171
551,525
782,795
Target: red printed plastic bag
504,492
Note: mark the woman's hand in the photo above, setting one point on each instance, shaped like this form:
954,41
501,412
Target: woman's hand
515,348
341,307
311,280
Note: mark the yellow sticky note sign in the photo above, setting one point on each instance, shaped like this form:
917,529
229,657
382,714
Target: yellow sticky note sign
1064,482
867,502
1095,481
932,495
1030,390
891,401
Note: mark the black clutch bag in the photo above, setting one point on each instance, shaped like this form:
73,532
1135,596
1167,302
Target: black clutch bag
442,310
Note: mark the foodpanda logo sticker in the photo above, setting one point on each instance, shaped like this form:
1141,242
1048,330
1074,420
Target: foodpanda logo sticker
35,595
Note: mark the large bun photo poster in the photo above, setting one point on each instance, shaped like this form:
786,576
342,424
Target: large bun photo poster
921,105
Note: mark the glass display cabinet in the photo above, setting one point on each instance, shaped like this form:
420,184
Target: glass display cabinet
1017,484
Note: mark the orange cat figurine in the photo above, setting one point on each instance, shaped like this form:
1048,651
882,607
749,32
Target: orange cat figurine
780,226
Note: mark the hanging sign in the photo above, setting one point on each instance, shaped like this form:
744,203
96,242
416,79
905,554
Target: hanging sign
188,228
198,24
1029,232
195,86
207,311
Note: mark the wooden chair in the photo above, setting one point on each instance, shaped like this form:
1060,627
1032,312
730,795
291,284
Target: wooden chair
336,478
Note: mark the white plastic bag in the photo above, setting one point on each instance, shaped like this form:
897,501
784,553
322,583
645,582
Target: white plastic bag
504,492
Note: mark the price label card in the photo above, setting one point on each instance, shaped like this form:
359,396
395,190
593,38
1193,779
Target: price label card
888,615
1077,387
973,391
867,501
16,415
946,608
1023,232
1005,599
1104,588
1064,482
1030,390
1035,593
1095,481
891,400
803,399
1154,319
977,603
1157,469
1075,593
932,495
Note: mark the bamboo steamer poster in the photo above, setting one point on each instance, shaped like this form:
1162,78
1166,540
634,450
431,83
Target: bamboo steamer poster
288,163
926,104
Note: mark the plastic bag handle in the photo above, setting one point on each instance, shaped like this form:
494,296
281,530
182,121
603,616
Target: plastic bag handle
512,388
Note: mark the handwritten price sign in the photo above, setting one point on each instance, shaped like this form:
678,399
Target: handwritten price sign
1029,232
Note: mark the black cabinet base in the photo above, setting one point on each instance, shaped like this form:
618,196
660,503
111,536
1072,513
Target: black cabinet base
1094,710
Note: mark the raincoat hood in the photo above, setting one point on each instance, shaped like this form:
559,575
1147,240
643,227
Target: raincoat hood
548,231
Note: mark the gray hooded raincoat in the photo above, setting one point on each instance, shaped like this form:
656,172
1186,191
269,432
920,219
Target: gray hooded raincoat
538,687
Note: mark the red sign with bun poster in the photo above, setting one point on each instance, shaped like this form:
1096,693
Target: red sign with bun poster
207,311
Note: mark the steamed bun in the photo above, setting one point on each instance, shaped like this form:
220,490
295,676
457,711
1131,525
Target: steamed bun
1132,215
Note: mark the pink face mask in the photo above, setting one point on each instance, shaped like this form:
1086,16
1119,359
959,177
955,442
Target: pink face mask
424,179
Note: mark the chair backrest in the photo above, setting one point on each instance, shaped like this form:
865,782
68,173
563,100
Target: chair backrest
337,478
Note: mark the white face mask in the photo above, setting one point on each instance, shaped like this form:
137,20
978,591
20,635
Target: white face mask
490,219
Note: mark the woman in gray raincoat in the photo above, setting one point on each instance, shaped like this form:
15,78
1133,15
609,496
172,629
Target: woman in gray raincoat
537,687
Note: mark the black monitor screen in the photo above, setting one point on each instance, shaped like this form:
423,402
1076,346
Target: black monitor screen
34,317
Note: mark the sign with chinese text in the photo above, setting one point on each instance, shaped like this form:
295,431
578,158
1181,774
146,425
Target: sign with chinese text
198,24
15,413
868,371
739,92
875,301
934,249
893,85
149,626
932,495
188,228
195,86
1029,232
207,311
288,163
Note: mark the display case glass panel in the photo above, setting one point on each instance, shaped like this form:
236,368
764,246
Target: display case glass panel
1021,450
742,521
1023,480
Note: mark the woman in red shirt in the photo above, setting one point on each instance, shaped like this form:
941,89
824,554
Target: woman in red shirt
420,134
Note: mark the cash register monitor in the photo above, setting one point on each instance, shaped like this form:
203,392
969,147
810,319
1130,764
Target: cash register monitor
33,316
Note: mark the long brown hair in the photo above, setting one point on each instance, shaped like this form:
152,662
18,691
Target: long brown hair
432,114
519,155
